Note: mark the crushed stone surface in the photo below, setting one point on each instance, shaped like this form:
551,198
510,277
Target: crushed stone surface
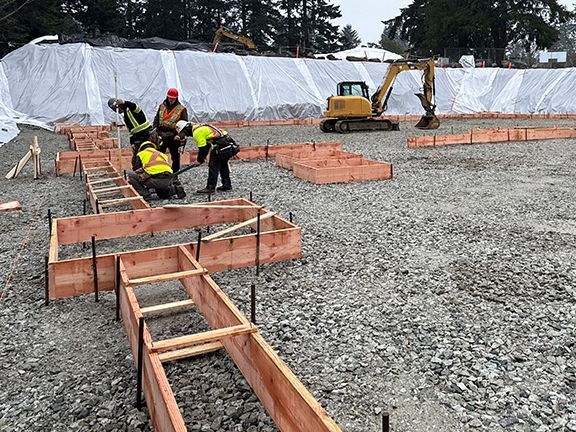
445,297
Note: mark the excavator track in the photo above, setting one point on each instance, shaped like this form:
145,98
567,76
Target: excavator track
355,125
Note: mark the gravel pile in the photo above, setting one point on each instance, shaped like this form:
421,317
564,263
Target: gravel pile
445,296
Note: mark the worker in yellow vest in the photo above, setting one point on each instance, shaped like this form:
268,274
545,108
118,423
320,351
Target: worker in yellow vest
169,113
221,147
154,172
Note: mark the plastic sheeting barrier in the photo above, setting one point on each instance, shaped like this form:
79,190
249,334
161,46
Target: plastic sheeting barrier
45,84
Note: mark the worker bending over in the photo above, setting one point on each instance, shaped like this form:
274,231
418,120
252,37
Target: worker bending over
139,127
169,113
219,145
153,171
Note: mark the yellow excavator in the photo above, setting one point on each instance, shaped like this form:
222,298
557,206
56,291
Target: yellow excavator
224,32
353,110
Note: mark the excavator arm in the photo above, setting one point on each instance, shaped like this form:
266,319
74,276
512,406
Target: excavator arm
223,32
380,97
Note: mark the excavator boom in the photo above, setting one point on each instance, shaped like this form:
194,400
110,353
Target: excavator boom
223,32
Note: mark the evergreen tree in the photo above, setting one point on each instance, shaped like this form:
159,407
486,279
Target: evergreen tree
348,38
96,17
430,26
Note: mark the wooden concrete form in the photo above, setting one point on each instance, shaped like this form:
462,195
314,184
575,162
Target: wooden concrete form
106,188
279,240
341,170
480,135
284,397
287,161
66,161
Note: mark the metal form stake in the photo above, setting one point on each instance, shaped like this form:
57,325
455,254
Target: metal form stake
290,216
385,422
80,166
97,207
140,355
267,144
198,245
117,287
251,197
84,207
75,166
46,290
253,303
94,268
258,243
125,177
50,221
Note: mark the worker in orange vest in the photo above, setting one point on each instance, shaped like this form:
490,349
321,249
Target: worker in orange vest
153,171
169,113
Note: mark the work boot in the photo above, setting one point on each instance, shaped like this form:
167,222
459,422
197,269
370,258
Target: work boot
224,188
180,192
205,191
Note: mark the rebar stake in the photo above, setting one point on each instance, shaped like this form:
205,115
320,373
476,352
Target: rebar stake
253,303
140,355
385,421
258,243
290,216
251,197
49,221
75,166
94,268
97,206
199,242
117,288
46,289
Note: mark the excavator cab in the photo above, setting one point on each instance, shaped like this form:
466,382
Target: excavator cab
353,88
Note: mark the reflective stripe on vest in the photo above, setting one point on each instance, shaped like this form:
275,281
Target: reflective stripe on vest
168,119
154,161
135,126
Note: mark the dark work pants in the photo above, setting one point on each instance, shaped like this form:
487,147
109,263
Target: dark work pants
169,143
218,166
162,184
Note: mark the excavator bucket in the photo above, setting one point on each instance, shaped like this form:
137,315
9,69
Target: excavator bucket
429,120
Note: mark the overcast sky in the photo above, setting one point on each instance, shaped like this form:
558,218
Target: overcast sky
365,15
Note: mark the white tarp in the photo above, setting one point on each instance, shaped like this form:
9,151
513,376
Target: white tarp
364,52
43,84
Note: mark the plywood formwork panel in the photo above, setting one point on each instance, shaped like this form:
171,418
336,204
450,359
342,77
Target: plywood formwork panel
479,136
342,170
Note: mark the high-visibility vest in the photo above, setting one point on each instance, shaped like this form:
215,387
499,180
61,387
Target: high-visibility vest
154,161
204,133
168,119
136,127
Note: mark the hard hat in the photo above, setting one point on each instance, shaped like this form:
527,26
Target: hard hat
147,144
112,104
180,124
172,93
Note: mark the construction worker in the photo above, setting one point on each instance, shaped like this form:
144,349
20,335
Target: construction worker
135,120
221,147
154,172
169,113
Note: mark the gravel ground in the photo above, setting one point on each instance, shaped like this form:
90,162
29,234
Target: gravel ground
445,296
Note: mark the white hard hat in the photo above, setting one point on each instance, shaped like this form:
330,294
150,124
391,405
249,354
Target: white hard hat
180,124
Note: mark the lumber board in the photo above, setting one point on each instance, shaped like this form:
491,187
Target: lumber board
208,206
118,201
72,277
189,352
236,227
137,222
14,172
6,206
198,338
284,397
167,306
166,277
110,189
158,394
110,179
